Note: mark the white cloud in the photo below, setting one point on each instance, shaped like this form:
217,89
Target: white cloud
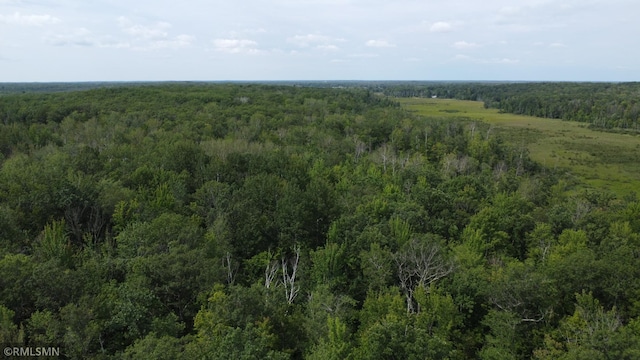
315,41
236,46
509,11
143,38
506,61
76,37
254,31
363,55
29,20
306,40
309,40
551,45
111,44
176,42
463,45
82,37
156,31
328,47
462,57
151,37
441,27
379,44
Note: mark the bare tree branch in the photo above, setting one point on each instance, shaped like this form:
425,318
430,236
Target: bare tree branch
420,264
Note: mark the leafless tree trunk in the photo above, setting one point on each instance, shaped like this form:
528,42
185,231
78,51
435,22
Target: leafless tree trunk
361,147
73,216
97,224
270,273
489,132
462,164
289,279
582,209
499,169
232,269
384,155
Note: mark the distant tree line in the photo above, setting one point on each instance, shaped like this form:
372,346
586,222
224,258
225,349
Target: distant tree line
603,105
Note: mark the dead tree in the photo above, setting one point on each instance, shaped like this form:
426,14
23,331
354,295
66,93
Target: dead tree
360,148
420,263
289,278
230,267
270,273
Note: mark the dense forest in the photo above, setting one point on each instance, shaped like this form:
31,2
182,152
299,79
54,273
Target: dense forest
238,221
603,105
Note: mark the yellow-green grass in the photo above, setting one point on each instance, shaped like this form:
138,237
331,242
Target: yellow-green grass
599,160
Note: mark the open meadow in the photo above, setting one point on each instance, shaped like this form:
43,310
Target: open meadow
597,159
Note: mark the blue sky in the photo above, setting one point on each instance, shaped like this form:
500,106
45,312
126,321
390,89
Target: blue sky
144,40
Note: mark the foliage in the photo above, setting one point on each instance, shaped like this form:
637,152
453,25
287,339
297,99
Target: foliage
284,222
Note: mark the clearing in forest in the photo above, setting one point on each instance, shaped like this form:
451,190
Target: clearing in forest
602,160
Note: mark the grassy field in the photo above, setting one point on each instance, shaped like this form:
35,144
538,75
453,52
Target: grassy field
602,160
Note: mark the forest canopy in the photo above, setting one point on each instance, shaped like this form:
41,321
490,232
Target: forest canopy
248,221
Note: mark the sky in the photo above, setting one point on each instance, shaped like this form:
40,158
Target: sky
245,40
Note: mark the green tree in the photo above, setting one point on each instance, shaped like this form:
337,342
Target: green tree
153,347
337,346
502,341
504,225
55,245
217,338
591,332
8,330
